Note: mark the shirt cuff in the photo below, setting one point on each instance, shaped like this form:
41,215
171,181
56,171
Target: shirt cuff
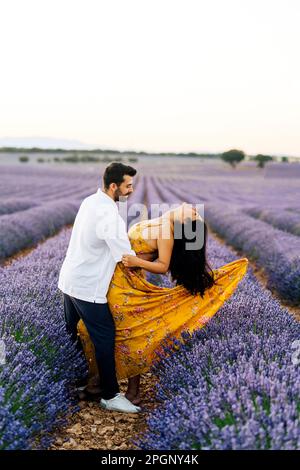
119,257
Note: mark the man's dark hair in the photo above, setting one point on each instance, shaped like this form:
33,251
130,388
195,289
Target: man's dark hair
115,172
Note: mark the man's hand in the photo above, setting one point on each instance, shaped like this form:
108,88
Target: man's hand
130,261
147,256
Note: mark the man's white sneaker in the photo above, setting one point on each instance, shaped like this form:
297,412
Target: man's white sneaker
119,403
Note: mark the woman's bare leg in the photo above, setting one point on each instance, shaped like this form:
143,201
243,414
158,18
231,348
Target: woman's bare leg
133,389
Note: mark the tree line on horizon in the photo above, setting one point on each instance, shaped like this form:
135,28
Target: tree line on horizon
232,156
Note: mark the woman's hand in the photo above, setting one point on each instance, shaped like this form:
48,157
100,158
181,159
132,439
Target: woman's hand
130,261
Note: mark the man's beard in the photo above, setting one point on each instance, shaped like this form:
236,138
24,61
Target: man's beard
118,195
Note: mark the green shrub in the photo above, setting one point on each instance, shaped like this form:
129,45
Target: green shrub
23,158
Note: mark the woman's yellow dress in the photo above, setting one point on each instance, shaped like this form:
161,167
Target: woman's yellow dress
144,314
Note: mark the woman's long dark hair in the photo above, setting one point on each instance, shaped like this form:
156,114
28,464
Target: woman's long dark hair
189,267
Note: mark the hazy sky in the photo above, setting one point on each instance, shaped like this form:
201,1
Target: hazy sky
156,75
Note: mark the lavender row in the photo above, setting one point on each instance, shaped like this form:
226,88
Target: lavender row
25,229
240,191
279,218
196,167
40,360
11,205
45,185
277,252
234,384
294,209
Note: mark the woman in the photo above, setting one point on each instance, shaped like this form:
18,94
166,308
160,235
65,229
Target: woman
144,314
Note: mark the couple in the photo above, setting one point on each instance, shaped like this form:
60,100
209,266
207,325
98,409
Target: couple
118,318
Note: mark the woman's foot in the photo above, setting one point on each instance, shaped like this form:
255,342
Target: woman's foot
135,399
133,390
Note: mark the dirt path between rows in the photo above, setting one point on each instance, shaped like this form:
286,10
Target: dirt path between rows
98,429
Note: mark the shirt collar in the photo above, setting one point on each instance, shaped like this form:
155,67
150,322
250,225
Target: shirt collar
105,196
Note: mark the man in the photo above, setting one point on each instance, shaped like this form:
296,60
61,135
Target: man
98,241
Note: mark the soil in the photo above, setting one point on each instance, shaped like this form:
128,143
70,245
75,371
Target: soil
93,428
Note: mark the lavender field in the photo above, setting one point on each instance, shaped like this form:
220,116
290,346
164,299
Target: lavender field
233,385
237,380
35,204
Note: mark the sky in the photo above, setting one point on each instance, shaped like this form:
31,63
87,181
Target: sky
156,75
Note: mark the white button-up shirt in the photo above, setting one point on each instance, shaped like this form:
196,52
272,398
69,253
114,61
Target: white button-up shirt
98,241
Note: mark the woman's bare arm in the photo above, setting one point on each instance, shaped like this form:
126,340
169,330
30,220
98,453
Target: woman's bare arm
147,256
160,265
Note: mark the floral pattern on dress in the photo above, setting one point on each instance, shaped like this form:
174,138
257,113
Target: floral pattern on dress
146,314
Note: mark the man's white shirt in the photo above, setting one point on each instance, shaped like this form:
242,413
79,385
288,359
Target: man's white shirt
98,241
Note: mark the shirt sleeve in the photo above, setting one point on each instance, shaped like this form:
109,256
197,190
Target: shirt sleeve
111,228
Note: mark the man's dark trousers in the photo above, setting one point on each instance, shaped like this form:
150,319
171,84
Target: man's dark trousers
101,328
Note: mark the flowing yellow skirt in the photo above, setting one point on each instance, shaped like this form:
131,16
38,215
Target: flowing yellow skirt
145,314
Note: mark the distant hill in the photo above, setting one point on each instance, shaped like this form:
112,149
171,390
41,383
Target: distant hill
44,142
48,144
